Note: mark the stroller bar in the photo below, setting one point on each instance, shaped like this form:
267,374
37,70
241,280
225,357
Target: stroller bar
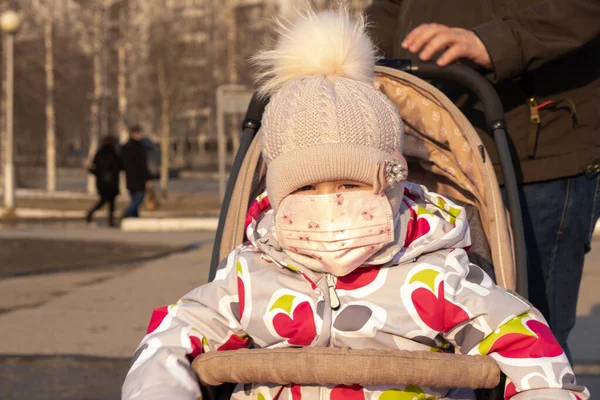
401,64
472,80
367,367
514,207
250,127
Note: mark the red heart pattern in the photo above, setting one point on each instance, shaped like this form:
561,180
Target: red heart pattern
300,329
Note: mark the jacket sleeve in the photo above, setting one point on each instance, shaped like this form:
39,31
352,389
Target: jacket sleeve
93,168
481,318
382,20
538,34
144,165
203,320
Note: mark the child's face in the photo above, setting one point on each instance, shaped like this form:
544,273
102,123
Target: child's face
331,187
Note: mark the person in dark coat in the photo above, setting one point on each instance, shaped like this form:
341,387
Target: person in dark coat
543,57
136,170
106,168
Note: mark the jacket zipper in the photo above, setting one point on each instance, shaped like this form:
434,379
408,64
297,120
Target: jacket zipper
334,300
334,303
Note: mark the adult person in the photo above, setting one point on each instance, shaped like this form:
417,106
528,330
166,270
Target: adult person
544,59
136,171
106,167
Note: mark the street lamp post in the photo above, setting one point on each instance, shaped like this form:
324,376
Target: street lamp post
9,23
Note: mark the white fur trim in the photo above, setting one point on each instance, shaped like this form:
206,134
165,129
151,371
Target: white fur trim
327,44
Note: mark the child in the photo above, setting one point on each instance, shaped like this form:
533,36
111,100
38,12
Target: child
343,252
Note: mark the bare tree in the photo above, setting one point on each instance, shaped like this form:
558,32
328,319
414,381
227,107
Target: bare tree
122,77
165,121
170,48
50,110
122,70
98,87
160,68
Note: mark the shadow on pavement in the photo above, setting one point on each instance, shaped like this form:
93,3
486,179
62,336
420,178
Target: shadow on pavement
61,377
25,257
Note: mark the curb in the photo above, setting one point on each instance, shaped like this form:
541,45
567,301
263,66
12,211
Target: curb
40,194
207,175
169,224
39,213
586,368
45,214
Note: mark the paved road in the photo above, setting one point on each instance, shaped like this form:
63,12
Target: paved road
100,311
79,184
69,334
71,255
61,378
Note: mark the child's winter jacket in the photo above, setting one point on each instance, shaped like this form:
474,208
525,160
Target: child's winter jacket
428,297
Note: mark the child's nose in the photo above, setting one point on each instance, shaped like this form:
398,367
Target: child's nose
326,188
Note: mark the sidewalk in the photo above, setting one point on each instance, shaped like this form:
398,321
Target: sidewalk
97,312
92,319
38,204
584,346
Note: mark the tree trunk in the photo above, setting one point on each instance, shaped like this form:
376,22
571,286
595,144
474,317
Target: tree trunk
122,81
3,109
98,89
50,115
104,54
165,119
231,50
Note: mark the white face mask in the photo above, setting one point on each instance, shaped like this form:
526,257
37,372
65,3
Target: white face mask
341,231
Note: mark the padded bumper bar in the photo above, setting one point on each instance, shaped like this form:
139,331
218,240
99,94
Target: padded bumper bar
343,366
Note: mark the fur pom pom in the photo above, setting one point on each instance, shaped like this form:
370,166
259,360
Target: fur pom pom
326,43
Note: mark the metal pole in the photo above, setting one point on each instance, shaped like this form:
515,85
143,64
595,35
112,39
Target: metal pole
9,174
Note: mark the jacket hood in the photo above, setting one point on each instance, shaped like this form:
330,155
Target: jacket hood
428,222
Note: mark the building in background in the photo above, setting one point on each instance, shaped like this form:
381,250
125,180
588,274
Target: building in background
119,62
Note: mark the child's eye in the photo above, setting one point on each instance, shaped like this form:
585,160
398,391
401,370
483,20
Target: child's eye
306,188
348,186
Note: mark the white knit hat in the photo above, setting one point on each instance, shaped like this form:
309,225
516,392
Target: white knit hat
325,120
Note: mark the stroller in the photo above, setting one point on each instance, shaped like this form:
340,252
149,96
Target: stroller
446,155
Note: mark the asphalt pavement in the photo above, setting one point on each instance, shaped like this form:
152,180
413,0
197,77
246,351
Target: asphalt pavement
68,331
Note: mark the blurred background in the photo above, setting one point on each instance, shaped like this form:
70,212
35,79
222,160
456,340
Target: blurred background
75,298
87,68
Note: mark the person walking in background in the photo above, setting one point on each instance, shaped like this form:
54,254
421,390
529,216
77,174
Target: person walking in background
136,171
544,59
106,167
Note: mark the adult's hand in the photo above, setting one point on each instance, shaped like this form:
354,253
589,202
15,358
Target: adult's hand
458,45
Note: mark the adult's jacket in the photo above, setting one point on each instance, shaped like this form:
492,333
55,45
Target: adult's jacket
136,165
424,296
541,49
106,168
